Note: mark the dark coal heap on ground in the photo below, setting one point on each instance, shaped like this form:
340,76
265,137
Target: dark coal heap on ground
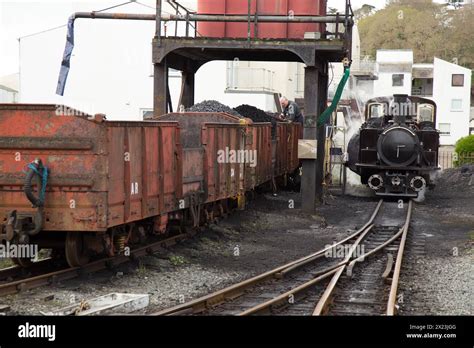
257,115
213,106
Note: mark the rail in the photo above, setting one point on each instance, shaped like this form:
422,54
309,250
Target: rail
323,306
45,272
305,264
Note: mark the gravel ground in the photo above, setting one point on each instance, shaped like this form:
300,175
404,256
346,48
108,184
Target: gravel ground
266,235
441,282
270,233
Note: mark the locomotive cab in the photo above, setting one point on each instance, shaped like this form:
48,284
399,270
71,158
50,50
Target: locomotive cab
397,146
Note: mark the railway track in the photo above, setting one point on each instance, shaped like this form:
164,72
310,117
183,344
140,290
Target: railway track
323,282
47,271
318,284
368,284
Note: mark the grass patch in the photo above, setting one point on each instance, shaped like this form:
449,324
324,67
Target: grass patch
141,270
5,263
177,260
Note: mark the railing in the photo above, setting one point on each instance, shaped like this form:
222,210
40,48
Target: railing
449,160
342,22
464,158
249,78
418,91
364,65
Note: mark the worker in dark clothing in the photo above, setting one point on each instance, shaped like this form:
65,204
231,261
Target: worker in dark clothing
291,111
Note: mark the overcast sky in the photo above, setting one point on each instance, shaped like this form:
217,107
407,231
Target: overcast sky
20,18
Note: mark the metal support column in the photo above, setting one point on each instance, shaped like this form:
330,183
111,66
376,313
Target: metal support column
311,94
321,134
160,72
187,89
160,100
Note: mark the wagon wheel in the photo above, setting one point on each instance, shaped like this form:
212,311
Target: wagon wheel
76,255
22,261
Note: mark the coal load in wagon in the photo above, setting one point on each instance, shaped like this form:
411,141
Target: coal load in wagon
213,106
257,115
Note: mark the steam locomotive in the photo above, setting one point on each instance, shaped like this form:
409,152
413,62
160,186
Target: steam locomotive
396,150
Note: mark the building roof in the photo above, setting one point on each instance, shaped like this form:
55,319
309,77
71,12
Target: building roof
394,56
11,81
460,67
8,89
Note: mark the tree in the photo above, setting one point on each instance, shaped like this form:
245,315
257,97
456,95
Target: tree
363,12
431,30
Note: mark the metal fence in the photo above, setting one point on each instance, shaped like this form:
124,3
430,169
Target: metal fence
452,159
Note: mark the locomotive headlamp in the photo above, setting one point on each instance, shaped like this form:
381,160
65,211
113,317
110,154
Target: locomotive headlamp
377,110
425,113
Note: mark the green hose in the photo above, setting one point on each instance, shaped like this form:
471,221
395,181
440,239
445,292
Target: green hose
327,113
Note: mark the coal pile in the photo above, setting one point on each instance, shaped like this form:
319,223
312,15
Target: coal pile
257,115
213,106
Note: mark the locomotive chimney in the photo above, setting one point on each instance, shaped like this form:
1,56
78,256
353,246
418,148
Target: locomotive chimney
400,108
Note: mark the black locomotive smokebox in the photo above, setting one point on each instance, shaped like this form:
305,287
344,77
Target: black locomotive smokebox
398,146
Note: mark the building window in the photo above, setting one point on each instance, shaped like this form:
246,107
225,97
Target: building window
445,128
456,105
457,80
397,80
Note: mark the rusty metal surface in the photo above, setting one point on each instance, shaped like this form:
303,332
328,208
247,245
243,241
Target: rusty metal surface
147,183
118,172
222,180
91,185
208,49
192,122
39,130
211,17
259,139
392,297
286,153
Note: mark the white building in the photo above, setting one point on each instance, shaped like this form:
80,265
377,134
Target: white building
8,95
448,84
9,86
452,93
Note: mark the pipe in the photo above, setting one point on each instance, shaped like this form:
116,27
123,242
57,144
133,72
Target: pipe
158,18
209,18
65,65
340,88
158,22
